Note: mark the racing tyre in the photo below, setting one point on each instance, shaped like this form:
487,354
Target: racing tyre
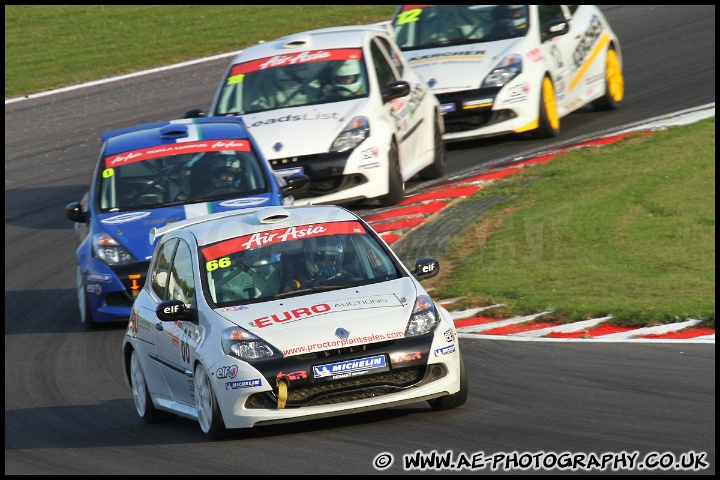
85,312
456,399
141,395
396,186
208,411
614,83
548,118
437,168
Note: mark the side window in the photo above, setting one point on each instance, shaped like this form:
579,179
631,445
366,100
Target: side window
393,53
181,285
161,266
383,69
548,13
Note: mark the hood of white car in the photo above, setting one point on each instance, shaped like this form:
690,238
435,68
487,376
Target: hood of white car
461,67
334,319
306,130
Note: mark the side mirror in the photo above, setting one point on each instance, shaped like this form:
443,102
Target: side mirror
175,310
426,268
194,113
397,89
555,28
74,212
294,184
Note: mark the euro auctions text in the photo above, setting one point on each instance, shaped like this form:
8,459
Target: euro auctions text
528,461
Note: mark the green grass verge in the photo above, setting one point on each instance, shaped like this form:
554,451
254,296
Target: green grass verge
51,46
626,230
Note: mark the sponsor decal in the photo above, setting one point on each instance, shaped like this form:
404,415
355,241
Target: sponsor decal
235,308
294,118
280,235
94,288
445,350
350,368
405,357
175,149
447,107
255,382
124,218
292,59
368,166
369,153
286,172
466,55
295,314
298,375
449,336
244,202
227,372
534,55
341,333
587,40
99,277
519,90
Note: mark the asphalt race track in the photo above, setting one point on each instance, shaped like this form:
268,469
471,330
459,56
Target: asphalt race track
67,410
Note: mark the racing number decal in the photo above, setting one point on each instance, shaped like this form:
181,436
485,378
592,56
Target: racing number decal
185,345
409,16
219,263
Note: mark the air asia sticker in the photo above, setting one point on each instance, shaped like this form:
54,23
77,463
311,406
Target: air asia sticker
351,368
124,218
255,382
280,235
239,70
176,149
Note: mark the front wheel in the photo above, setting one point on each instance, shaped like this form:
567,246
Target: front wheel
548,117
614,83
396,186
208,411
86,316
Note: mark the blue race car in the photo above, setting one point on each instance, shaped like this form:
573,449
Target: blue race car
149,176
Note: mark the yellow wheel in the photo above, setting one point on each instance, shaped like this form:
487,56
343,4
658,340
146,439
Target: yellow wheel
614,83
548,117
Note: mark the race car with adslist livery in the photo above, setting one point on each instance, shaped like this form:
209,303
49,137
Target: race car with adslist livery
147,176
340,105
282,314
511,69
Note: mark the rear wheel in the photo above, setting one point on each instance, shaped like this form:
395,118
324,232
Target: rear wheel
548,117
86,316
141,394
396,186
456,399
208,411
614,83
437,168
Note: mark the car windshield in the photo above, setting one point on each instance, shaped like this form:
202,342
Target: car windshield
428,26
180,173
292,80
294,261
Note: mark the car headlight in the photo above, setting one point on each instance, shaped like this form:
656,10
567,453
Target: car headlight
508,68
109,250
357,130
424,317
247,347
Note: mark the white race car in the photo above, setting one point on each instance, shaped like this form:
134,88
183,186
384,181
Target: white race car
501,69
281,314
340,105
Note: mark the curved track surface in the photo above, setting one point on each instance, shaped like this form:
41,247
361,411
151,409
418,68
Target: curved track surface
67,410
